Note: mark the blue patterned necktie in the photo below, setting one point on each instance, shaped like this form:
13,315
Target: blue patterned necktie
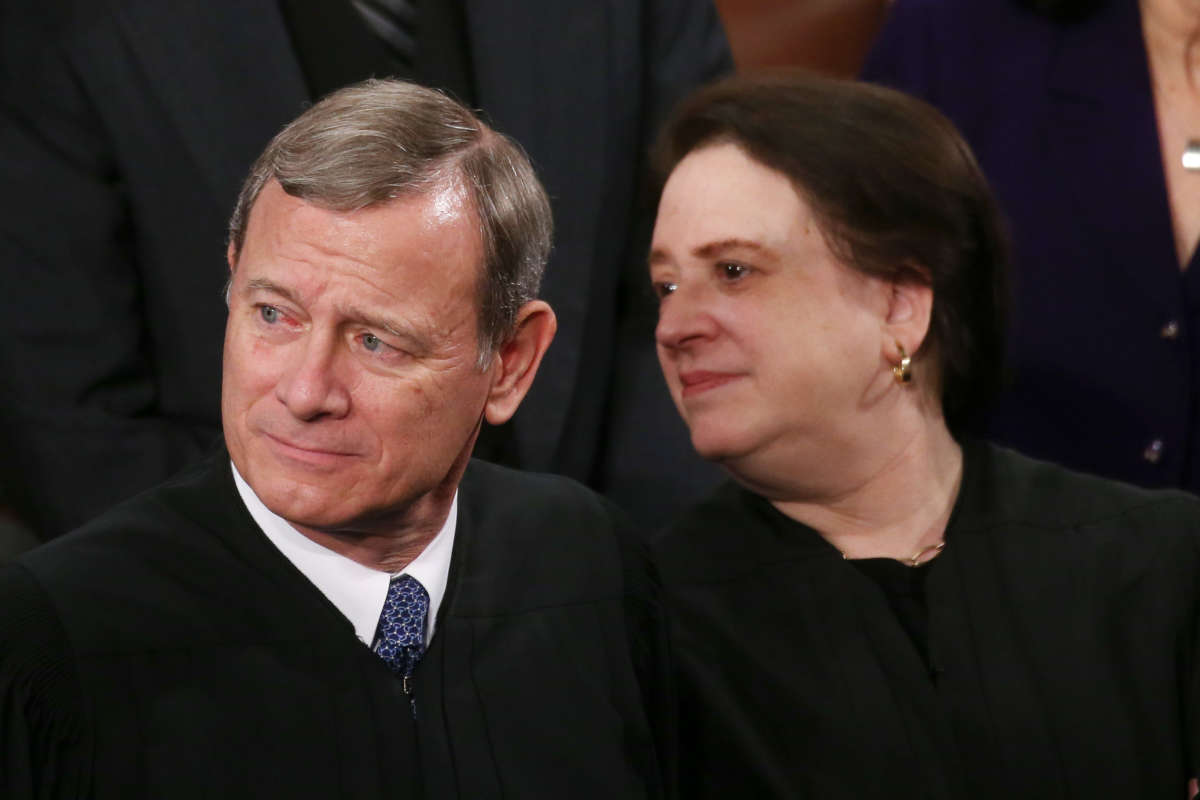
400,637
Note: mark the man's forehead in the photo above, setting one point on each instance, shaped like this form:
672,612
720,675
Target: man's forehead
446,195
443,202
444,210
417,253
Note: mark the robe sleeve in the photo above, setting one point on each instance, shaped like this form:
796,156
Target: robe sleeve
42,743
1190,674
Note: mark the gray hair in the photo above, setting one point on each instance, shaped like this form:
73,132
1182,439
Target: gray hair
378,140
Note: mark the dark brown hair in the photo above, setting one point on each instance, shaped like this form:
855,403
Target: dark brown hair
894,189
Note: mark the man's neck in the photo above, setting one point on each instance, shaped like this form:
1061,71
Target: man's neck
390,547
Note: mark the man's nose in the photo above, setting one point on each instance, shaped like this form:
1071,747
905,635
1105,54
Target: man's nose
684,318
312,388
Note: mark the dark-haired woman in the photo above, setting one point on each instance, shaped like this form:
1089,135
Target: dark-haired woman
874,608
1085,115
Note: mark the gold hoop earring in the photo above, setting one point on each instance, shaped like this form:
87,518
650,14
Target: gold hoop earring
903,370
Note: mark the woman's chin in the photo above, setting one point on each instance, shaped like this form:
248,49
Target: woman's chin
720,446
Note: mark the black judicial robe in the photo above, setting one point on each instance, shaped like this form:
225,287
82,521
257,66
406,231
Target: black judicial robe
1062,636
169,650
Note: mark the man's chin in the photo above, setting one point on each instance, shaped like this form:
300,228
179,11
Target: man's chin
310,520
305,506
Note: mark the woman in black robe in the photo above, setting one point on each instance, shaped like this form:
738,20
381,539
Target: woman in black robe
877,606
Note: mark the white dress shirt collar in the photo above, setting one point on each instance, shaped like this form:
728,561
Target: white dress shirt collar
355,590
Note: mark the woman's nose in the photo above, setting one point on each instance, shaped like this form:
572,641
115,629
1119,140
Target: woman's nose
684,318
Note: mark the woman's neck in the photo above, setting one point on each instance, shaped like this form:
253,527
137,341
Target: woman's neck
897,508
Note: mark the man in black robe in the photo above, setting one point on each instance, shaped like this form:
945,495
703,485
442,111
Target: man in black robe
339,603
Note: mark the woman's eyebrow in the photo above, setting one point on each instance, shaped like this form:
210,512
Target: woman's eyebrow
733,243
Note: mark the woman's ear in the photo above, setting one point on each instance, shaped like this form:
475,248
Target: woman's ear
909,311
517,360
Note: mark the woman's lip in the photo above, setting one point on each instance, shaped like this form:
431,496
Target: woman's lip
699,381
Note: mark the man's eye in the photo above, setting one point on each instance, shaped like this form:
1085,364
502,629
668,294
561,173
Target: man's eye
270,314
371,342
664,288
731,272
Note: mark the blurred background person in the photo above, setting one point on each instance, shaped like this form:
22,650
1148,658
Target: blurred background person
828,36
1085,115
878,606
125,127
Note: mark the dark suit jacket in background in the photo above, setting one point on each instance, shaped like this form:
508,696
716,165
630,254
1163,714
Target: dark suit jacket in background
169,650
1105,335
126,128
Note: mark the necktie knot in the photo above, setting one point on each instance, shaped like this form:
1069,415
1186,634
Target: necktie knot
400,637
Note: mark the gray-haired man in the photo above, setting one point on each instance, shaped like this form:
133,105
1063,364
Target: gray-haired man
342,604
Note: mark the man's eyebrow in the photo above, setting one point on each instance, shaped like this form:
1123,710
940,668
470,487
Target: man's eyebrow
266,285
392,326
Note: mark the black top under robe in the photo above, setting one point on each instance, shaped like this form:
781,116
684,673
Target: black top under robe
903,587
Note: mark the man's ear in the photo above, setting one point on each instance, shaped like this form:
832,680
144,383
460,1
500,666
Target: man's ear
231,256
909,311
517,360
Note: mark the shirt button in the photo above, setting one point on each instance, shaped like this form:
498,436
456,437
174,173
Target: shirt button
1153,451
1170,331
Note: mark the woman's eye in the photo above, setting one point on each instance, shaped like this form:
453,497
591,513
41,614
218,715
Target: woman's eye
269,314
731,272
664,288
